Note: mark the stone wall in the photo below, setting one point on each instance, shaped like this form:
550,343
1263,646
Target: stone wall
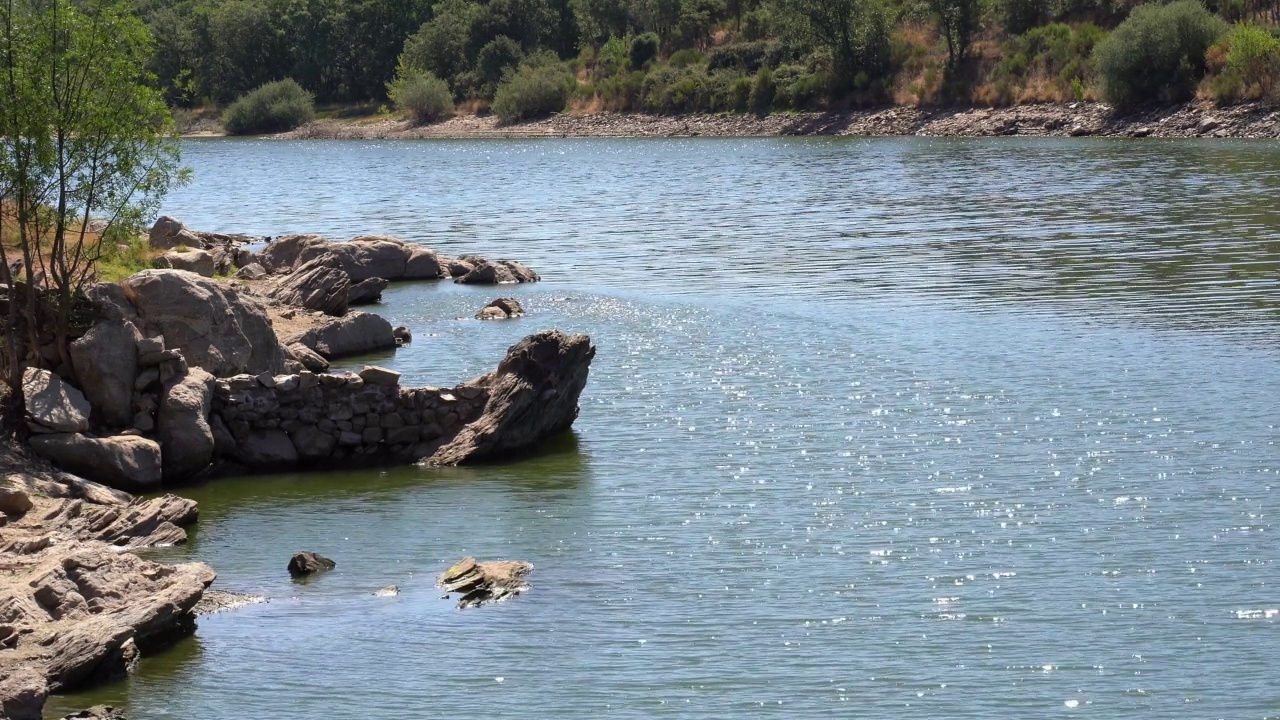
280,420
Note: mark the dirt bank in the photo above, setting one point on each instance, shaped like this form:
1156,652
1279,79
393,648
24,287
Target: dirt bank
1199,119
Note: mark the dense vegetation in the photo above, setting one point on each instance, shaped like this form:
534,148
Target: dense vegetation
529,57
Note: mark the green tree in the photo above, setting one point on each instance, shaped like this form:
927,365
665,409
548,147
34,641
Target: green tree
958,20
855,32
83,136
440,45
1157,54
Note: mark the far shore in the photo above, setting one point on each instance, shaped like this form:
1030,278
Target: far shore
1079,119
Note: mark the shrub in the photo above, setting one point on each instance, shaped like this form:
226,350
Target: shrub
496,58
1157,54
612,58
755,24
762,92
797,88
685,58
747,57
623,92
274,107
676,90
425,97
1254,55
532,91
1058,55
643,49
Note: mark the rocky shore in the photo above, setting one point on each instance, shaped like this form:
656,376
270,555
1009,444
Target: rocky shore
1079,119
216,362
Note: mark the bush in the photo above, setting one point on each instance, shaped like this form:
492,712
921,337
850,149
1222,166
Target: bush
798,89
274,107
673,90
1254,55
685,58
1058,55
747,57
643,49
755,24
532,91
425,97
499,56
1157,54
762,92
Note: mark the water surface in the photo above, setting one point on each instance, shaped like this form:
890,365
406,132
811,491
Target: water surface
889,428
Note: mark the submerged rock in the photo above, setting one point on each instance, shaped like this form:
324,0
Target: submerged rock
307,563
501,309
481,583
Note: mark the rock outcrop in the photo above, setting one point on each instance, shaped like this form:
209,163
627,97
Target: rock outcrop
225,252
532,395
52,405
500,272
366,291
196,261
501,309
356,333
318,284
482,583
214,327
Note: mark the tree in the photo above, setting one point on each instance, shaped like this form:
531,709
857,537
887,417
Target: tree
854,31
83,137
958,20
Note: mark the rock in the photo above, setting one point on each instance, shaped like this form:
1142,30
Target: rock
148,346
388,591
366,292
1208,124
124,462
311,443
488,272
1079,131
355,333
283,253
110,303
501,309
197,261
402,335
373,375
309,358
319,284
423,264
97,712
251,271
169,233
54,404
268,448
532,396
306,563
459,267
215,328
14,501
372,256
23,691
186,439
481,583
105,360
1142,132
216,601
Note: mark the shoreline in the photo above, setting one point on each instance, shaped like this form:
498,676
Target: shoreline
1199,119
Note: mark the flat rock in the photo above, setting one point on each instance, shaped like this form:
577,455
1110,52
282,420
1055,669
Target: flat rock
200,262
380,376
54,404
355,333
481,583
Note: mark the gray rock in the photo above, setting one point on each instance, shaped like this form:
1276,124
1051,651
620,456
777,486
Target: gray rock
501,309
146,379
14,501
152,359
268,448
366,292
306,563
124,462
402,335
489,272
109,300
388,591
197,261
311,443
309,358
215,328
105,360
252,271
355,333
423,264
372,256
283,253
169,233
373,375
54,404
319,284
146,346
183,427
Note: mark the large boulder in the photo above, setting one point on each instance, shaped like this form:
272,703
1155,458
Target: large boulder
424,264
169,233
366,292
318,284
124,462
200,262
215,328
372,256
56,406
268,448
307,562
186,438
105,360
532,396
355,333
283,254
308,358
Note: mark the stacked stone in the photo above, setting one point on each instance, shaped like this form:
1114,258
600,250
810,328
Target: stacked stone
268,420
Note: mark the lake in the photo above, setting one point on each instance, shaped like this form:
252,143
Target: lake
891,428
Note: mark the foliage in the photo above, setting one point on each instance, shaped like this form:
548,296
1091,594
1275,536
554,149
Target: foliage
763,90
958,20
685,58
274,107
643,49
497,58
1254,55
854,32
537,88
83,136
1058,55
1157,54
425,97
